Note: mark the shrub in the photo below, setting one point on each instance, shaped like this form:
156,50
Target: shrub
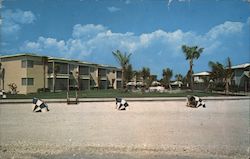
41,90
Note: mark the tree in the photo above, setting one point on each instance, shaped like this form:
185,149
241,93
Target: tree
128,73
191,53
2,73
56,70
221,73
137,75
167,75
217,71
178,77
123,60
145,73
45,62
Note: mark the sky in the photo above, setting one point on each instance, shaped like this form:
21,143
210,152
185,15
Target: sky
152,30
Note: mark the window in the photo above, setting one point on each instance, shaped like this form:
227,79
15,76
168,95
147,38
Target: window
118,74
27,81
102,73
27,64
84,70
92,69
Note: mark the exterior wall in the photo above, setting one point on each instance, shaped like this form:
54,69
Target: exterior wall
89,75
102,78
37,73
118,80
111,78
14,73
94,77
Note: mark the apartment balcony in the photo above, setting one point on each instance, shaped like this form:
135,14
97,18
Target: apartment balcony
58,75
103,78
84,77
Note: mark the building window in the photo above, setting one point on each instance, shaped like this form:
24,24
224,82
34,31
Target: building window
27,64
118,74
102,73
92,69
27,81
84,70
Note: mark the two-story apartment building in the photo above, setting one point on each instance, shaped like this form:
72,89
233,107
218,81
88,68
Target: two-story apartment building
31,72
241,76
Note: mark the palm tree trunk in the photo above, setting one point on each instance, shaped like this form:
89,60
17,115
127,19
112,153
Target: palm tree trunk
227,86
54,77
44,74
191,75
123,78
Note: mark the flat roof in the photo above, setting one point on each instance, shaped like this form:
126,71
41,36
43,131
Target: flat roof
205,73
21,54
241,66
50,58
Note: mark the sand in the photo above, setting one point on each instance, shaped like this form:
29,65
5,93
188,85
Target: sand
146,130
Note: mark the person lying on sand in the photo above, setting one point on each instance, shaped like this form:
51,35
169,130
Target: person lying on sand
195,102
121,104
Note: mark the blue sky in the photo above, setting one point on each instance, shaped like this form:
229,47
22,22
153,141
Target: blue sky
152,30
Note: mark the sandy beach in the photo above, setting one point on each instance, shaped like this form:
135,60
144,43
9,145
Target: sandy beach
155,129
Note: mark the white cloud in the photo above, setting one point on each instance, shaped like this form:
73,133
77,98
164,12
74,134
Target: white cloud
127,2
225,29
171,1
248,21
89,30
113,9
13,20
96,42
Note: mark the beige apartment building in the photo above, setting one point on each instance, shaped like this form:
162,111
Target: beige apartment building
30,72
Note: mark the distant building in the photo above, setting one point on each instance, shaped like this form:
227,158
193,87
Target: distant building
240,79
31,72
241,76
201,76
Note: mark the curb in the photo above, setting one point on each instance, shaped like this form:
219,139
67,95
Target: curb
20,101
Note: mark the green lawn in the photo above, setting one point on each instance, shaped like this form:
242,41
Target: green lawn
107,94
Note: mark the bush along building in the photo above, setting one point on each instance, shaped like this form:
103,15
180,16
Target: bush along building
29,73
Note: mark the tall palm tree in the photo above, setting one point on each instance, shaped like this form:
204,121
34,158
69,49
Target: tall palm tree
2,73
191,53
56,70
128,73
123,60
228,74
45,62
167,75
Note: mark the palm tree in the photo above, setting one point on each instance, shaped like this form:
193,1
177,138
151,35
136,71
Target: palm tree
45,62
178,77
145,74
222,73
191,53
217,71
56,70
167,75
137,75
228,74
123,60
128,73
2,73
